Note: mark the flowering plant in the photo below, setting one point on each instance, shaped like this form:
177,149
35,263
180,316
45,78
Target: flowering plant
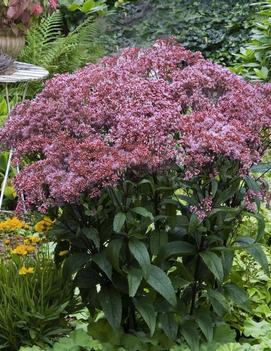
149,154
17,15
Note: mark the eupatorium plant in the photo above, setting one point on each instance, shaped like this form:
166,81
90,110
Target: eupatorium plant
149,155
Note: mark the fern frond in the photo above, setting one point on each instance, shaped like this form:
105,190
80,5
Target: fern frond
41,37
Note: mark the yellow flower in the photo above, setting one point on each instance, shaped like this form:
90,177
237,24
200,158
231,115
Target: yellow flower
23,250
44,225
27,242
34,239
7,241
11,224
24,270
63,253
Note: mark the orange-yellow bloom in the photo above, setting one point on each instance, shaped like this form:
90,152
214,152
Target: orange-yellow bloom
24,270
44,225
34,239
23,250
11,224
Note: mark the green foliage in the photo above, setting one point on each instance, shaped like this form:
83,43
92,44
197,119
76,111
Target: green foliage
254,61
217,28
33,306
143,258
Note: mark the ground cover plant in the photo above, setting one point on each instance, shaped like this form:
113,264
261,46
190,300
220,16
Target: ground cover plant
217,28
144,162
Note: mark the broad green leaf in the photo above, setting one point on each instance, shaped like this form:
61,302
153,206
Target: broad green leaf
206,324
119,221
102,262
238,295
252,184
87,278
218,302
142,212
191,335
74,262
140,253
175,248
261,168
93,235
169,325
160,282
157,241
213,263
146,309
111,304
193,223
113,253
134,280
226,194
258,254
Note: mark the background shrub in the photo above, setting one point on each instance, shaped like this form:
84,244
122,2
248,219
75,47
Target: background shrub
255,59
217,28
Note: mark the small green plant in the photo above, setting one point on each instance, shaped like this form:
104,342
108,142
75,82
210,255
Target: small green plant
34,301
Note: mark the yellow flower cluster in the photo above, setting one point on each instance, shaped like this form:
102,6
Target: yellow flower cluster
11,224
44,225
24,270
33,239
23,249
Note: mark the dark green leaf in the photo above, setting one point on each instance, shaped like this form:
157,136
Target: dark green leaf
218,302
213,263
87,278
93,235
206,324
74,262
146,309
142,212
261,168
169,325
191,335
111,304
193,223
140,252
157,240
227,193
113,253
160,282
134,280
175,248
104,264
119,221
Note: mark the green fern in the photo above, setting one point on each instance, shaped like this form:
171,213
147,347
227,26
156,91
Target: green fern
46,46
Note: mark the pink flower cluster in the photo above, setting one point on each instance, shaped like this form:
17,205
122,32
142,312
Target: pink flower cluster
203,208
145,110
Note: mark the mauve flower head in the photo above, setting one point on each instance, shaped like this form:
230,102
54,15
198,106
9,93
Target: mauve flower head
142,110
